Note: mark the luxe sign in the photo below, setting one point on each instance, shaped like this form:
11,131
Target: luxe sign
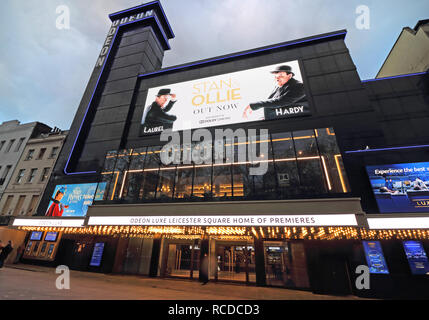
230,220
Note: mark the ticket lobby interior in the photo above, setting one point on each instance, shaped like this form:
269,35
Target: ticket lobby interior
228,260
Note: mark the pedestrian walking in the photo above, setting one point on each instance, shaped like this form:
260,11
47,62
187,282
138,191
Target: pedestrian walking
204,269
5,252
19,253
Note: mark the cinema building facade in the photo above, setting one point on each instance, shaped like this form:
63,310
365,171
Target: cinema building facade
114,205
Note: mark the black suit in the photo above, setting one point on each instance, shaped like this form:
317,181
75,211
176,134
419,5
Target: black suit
156,116
290,94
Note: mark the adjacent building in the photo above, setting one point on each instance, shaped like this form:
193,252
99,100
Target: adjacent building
343,180
409,54
13,139
32,173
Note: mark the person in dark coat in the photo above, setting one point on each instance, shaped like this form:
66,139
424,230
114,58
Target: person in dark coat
5,252
289,92
155,116
204,269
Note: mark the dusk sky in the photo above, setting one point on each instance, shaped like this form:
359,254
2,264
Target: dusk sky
44,70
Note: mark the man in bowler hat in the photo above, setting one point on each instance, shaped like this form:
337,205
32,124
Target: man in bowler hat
288,92
155,117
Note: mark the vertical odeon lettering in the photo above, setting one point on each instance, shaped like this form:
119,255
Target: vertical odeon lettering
112,31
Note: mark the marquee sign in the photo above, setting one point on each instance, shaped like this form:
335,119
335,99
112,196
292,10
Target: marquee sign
48,222
229,220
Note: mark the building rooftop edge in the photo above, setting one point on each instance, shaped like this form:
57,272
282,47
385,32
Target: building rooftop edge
320,37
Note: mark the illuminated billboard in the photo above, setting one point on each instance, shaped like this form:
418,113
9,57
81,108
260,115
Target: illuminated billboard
265,93
71,200
401,187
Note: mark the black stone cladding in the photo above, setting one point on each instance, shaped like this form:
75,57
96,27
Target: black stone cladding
379,113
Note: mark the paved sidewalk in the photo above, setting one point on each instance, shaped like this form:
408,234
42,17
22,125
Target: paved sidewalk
38,283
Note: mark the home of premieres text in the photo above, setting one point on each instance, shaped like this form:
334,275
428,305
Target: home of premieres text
208,221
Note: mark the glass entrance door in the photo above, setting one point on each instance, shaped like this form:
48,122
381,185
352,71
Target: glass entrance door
234,262
181,260
286,264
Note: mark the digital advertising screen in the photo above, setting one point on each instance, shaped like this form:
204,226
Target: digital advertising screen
401,187
265,93
97,254
51,236
416,256
36,235
374,257
71,200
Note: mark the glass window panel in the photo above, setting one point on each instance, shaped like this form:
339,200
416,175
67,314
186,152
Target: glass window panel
145,256
148,187
122,165
153,157
133,184
241,150
220,149
132,257
107,175
54,152
135,175
305,143
150,175
202,181
166,184
331,154
202,152
283,146
287,178
257,149
243,182
183,186
138,158
222,186
312,177
265,185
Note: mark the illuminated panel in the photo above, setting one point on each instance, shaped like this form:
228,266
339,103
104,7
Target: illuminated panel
399,223
229,220
48,222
